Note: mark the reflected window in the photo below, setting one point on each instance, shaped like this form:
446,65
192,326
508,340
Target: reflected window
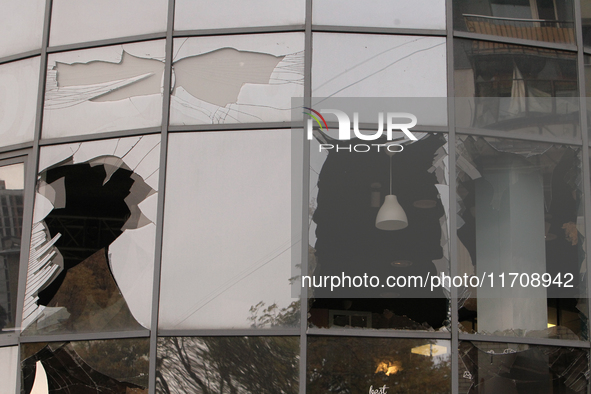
489,367
521,212
541,20
103,366
516,89
228,365
378,365
11,221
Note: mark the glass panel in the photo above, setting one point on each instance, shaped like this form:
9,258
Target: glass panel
105,366
418,14
236,79
8,368
104,89
378,365
489,367
232,13
239,186
520,217
92,246
364,65
516,89
19,83
347,191
11,220
228,365
541,20
21,26
586,19
80,21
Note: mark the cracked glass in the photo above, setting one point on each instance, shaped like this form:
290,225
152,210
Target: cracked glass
11,221
347,190
378,365
75,21
236,79
520,216
540,20
101,366
401,14
490,367
365,65
517,89
105,89
235,13
228,365
92,246
239,185
19,83
21,26
8,369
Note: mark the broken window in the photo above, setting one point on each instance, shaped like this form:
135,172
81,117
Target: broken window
520,216
231,250
236,79
8,369
92,248
226,365
103,366
19,82
378,365
232,13
489,367
541,20
516,89
11,222
378,63
80,21
421,14
347,190
21,26
104,89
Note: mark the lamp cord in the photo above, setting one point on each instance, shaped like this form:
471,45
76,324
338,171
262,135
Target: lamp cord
390,174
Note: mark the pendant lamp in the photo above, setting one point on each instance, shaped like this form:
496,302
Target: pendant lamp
391,216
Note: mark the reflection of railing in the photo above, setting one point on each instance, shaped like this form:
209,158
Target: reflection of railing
529,29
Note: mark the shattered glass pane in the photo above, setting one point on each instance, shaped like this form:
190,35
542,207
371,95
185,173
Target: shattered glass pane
80,21
347,190
491,368
236,79
97,367
239,185
379,62
105,89
520,216
92,247
517,89
417,14
378,365
8,369
11,221
233,13
21,26
550,21
227,365
19,82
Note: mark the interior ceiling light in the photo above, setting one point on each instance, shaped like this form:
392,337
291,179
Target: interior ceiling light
391,216
401,263
429,350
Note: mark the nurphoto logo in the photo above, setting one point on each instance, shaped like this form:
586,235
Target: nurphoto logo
345,130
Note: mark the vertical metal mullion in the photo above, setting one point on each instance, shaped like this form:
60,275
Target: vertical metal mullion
305,200
585,149
161,192
30,183
452,197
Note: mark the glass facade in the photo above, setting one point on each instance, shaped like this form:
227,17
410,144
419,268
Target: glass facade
163,199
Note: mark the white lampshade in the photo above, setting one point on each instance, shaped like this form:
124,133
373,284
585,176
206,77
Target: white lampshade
391,216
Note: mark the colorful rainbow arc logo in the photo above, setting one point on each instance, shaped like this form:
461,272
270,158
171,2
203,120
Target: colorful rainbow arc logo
316,119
